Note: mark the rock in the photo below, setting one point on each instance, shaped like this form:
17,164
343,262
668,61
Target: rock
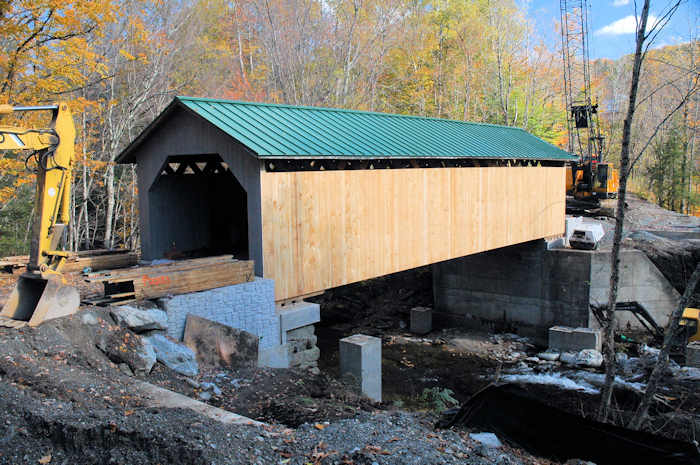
589,358
549,356
173,355
123,346
192,383
88,318
218,345
305,358
124,368
216,390
568,358
205,395
621,358
315,371
489,440
140,320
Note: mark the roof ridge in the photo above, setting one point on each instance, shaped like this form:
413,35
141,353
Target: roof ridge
345,110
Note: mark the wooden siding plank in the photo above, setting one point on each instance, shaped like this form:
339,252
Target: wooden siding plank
323,229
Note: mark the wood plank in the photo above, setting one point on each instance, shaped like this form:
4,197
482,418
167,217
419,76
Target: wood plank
323,229
100,262
151,282
162,267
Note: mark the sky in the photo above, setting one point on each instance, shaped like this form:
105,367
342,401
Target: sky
611,23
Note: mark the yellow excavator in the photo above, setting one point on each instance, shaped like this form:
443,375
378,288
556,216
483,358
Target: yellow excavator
42,293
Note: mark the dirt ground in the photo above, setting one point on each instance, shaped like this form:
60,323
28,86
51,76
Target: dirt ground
63,401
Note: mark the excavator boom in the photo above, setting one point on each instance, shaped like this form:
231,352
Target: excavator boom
41,293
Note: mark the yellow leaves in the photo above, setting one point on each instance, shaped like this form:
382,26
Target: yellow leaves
127,55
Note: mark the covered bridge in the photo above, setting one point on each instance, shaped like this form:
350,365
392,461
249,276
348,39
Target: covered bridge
322,197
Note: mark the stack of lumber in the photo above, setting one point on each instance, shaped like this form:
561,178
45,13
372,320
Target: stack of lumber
178,277
94,259
8,264
100,260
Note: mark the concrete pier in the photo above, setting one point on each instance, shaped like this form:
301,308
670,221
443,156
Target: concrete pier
421,320
361,358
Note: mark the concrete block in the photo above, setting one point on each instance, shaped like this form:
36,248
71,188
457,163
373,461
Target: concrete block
296,316
421,320
248,306
565,339
693,355
559,337
361,358
587,338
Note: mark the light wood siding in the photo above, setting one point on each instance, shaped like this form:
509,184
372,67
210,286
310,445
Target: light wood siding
323,229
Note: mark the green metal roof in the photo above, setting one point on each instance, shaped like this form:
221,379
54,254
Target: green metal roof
285,131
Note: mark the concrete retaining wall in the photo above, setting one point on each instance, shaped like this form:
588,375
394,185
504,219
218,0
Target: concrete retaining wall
527,289
520,288
248,306
640,280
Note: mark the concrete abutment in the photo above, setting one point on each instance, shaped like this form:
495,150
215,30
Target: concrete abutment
528,288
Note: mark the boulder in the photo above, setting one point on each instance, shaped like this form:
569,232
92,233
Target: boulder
140,320
549,356
123,346
589,358
218,345
173,355
489,440
568,358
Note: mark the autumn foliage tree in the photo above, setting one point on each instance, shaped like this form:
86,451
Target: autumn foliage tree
120,63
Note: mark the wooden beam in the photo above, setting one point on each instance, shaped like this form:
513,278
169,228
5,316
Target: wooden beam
179,277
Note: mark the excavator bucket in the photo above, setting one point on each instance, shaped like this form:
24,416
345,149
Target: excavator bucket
36,299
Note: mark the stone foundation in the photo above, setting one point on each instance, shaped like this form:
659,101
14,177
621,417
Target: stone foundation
303,352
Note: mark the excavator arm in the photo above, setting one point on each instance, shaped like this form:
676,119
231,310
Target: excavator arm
41,293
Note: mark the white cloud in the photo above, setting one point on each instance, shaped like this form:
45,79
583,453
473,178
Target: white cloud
621,2
626,25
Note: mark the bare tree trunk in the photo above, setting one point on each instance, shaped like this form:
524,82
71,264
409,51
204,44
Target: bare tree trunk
662,362
109,213
609,323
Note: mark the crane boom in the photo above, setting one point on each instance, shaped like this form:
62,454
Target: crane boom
589,178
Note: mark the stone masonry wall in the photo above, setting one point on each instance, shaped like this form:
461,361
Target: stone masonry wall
247,306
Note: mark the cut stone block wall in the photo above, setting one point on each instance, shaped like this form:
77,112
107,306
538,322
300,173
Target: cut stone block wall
297,331
247,306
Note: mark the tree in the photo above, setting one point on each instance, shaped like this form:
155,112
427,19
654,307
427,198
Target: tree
644,39
667,172
662,361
